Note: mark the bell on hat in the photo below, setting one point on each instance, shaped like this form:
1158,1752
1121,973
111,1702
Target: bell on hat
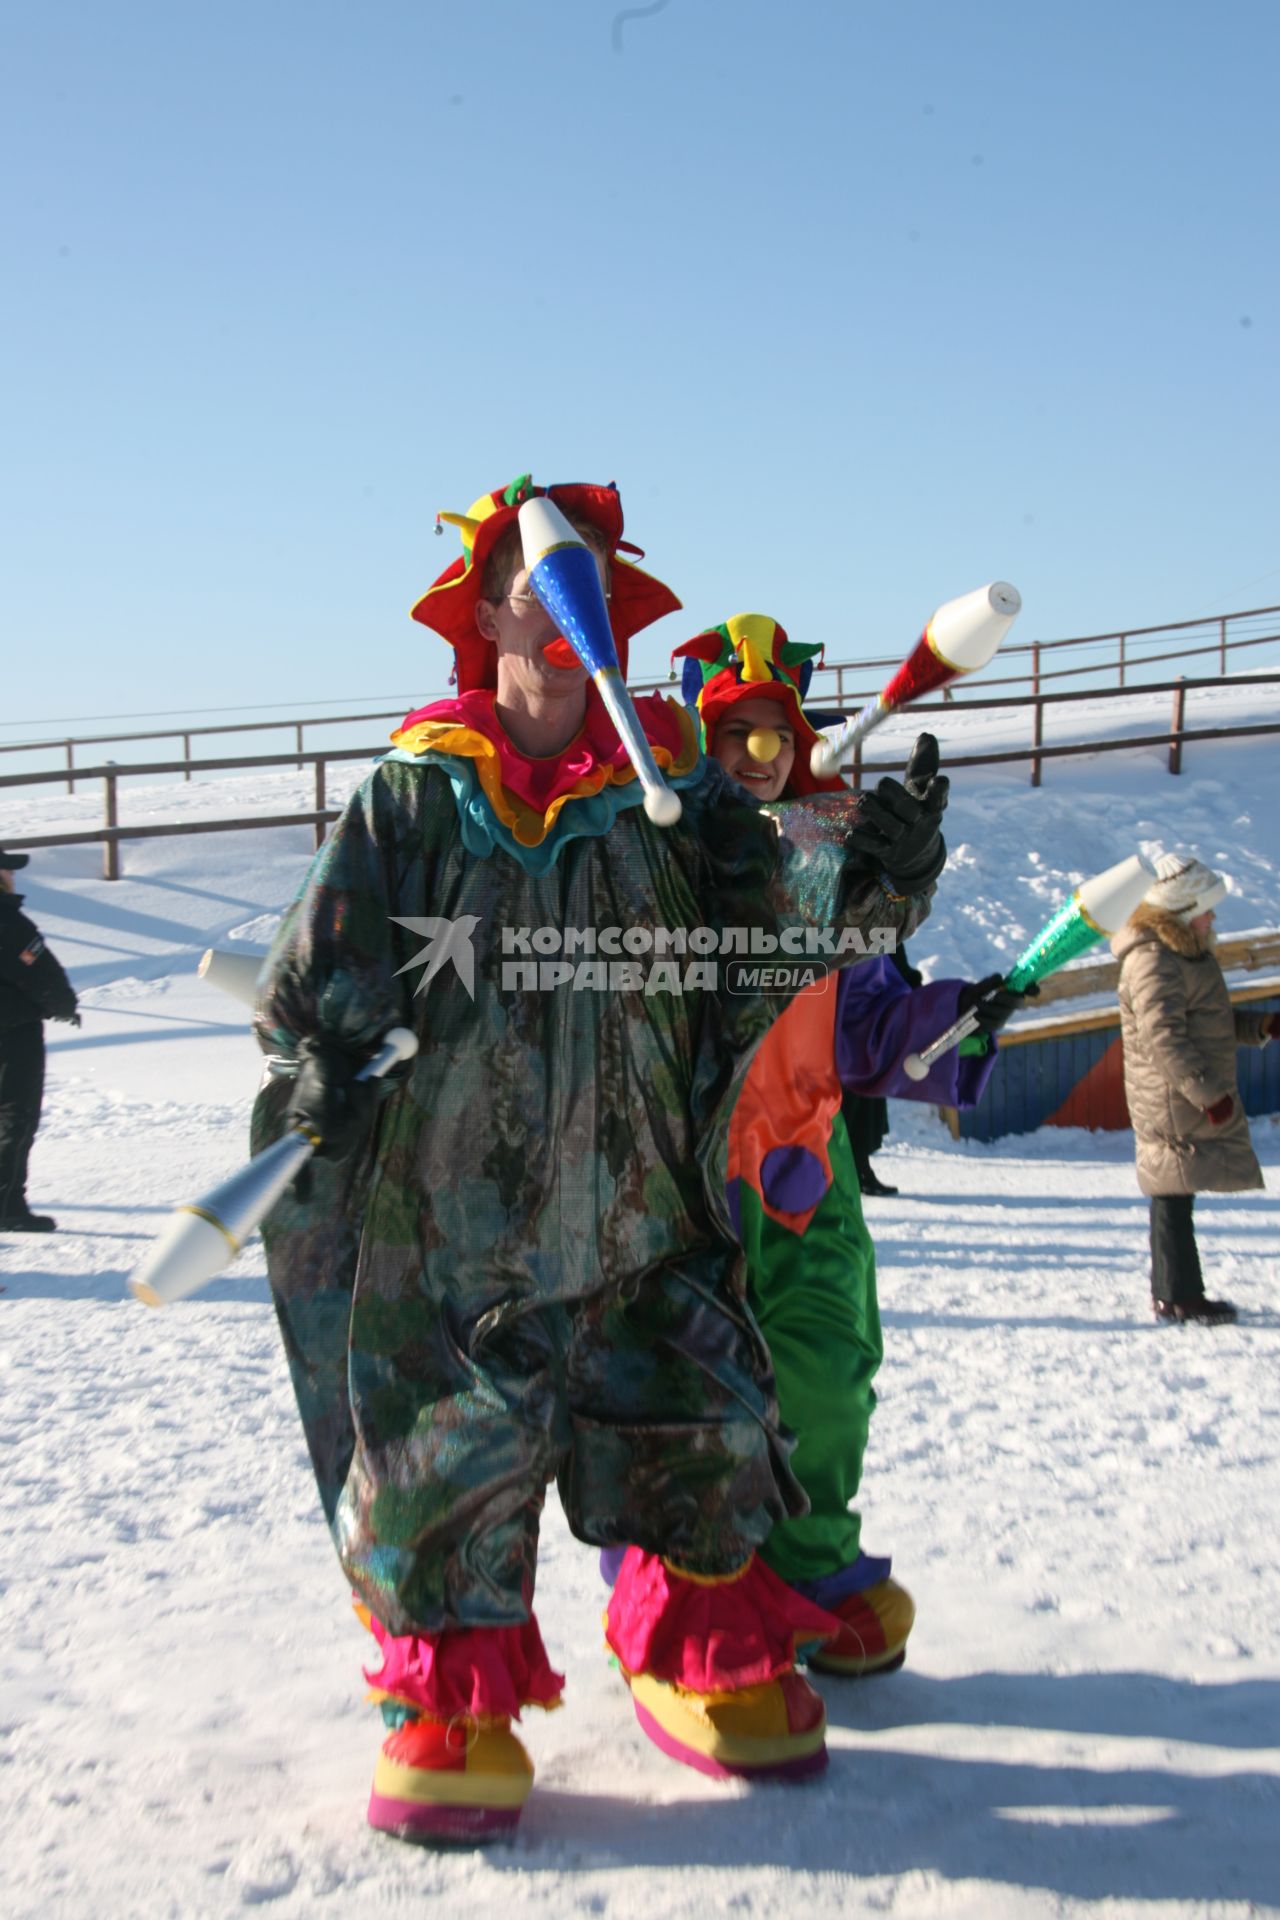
1184,886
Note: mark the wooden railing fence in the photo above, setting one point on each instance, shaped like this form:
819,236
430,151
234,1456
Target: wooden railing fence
187,766
112,832
1037,753
843,683
1229,636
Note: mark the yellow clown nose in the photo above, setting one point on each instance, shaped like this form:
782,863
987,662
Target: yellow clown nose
763,744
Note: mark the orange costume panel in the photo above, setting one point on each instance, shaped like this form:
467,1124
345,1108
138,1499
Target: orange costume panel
789,1102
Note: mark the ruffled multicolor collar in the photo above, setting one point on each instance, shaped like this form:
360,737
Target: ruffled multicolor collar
526,795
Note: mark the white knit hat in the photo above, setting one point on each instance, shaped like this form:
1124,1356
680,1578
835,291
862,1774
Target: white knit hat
1185,886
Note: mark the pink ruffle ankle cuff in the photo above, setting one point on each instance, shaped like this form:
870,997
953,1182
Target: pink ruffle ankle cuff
478,1670
709,1636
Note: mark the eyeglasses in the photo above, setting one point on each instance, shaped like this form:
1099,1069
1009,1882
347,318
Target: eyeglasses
527,600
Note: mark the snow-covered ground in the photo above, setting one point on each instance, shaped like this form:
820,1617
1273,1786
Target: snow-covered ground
1085,1506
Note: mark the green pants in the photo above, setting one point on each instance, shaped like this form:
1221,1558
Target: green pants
815,1299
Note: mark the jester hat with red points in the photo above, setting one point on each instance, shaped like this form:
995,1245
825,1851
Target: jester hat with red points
749,657
449,607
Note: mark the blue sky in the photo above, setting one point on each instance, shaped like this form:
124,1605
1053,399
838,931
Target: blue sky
862,303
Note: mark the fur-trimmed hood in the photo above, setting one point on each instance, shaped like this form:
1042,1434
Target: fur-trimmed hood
1154,923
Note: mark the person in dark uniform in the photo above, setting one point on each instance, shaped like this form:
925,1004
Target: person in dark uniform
868,1119
33,989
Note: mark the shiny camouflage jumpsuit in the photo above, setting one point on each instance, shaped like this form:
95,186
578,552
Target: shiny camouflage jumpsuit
528,1271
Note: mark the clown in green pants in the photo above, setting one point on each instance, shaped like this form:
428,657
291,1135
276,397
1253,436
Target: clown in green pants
811,1270
791,1182
825,1341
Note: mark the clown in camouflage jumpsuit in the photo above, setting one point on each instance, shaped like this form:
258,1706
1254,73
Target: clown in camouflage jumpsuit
525,1271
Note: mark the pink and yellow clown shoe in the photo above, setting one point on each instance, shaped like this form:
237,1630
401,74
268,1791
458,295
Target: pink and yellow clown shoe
449,606
464,1779
711,1664
749,657
450,1767
874,1627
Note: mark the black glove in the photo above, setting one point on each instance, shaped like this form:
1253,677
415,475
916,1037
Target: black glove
898,827
993,1002
920,774
328,1102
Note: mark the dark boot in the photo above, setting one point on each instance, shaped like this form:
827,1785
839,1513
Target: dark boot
27,1222
870,1181
1210,1313
21,1091
1176,1279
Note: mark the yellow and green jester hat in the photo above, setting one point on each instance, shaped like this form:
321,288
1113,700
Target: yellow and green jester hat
749,657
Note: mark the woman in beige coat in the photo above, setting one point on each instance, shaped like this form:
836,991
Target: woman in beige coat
1180,1036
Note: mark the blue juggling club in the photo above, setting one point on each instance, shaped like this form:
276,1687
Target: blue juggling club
563,573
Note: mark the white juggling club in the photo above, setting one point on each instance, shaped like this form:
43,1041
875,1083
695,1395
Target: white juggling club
206,1235
234,973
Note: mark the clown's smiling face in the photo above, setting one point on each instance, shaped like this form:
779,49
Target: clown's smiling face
747,724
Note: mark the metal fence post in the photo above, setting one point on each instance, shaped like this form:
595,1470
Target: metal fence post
111,846
1037,713
298,733
71,761
1179,709
1222,645
186,754
321,803
1120,663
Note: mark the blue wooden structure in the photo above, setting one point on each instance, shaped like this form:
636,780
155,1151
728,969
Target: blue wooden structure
1071,1074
